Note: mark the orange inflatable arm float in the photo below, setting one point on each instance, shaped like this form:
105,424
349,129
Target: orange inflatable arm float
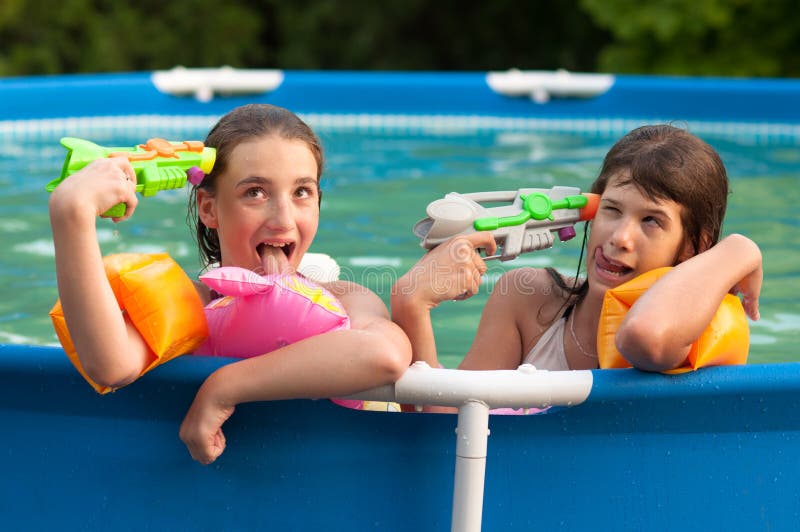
158,298
726,340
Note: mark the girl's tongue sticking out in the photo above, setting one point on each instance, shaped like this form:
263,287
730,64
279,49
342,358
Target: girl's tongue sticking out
609,269
275,257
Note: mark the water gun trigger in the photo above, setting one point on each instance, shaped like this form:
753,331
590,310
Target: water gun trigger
485,256
117,211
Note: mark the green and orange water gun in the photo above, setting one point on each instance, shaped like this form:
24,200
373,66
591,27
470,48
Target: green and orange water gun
525,223
159,164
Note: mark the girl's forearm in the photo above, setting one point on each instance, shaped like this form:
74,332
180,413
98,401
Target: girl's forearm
661,326
415,320
373,353
328,365
96,325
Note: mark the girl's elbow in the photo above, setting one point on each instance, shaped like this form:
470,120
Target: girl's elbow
397,358
392,352
645,346
113,376
116,360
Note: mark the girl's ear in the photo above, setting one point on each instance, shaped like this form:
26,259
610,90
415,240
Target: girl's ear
706,242
688,251
207,209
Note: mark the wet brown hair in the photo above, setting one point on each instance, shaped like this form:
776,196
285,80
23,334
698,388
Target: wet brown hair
243,124
669,163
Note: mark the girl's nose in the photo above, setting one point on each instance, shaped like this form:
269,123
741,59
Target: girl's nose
622,236
279,217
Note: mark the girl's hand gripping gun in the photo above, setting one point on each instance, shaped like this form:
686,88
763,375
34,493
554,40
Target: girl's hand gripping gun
159,164
525,225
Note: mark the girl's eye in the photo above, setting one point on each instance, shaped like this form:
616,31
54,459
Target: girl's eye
255,192
652,220
304,192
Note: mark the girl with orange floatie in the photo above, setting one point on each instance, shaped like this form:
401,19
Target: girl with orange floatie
663,198
258,210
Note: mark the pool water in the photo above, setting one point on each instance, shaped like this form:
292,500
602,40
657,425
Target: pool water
376,184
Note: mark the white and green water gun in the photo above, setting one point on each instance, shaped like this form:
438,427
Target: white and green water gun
525,224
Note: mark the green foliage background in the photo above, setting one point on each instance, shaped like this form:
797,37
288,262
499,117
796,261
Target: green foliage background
698,37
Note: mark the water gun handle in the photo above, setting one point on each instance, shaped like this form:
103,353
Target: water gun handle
158,164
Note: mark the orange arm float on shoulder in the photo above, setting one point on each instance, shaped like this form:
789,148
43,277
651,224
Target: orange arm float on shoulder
726,340
158,298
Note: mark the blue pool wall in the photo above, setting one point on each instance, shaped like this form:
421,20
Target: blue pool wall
467,93
710,450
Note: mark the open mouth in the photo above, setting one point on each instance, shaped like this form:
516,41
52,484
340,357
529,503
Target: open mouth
275,256
610,267
286,247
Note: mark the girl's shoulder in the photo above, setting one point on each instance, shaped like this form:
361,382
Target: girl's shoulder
534,282
341,288
533,289
356,298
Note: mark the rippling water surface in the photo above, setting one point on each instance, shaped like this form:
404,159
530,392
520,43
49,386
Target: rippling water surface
376,185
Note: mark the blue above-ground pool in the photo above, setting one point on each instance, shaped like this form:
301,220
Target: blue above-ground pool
617,450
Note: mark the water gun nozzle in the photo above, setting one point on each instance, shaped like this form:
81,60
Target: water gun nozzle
593,201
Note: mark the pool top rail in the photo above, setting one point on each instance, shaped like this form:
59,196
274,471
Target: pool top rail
546,95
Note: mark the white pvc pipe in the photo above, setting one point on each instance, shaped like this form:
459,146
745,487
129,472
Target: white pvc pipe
472,435
474,393
525,387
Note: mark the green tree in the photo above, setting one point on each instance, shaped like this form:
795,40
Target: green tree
44,37
699,37
436,35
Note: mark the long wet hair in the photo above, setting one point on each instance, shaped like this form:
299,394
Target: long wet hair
665,163
245,123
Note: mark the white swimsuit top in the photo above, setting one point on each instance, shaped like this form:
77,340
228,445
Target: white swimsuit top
548,353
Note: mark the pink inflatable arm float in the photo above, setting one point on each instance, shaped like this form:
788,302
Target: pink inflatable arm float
259,314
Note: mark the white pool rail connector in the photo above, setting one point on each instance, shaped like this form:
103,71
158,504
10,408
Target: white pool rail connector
206,83
474,393
543,85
